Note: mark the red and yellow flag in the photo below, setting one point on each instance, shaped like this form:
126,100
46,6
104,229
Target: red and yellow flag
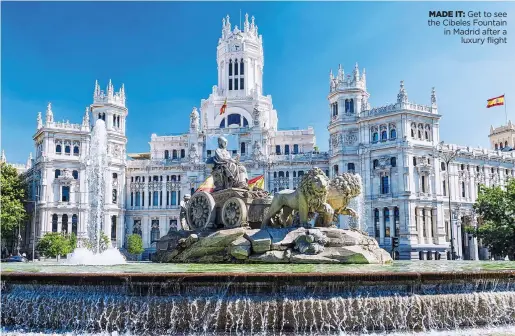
257,182
208,185
224,106
497,101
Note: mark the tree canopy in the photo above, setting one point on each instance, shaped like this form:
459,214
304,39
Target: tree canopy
53,244
13,194
135,244
496,207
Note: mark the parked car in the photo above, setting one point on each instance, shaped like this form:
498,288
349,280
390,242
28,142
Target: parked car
15,259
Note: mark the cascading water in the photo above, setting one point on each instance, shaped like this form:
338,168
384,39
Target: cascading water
96,166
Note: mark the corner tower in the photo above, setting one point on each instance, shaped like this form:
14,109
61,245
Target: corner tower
240,59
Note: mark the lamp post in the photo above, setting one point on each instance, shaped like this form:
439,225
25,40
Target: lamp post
34,226
447,157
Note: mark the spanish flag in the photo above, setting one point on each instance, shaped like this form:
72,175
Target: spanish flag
224,106
257,182
208,185
497,101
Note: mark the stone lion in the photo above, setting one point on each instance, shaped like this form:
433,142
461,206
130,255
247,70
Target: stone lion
309,199
342,189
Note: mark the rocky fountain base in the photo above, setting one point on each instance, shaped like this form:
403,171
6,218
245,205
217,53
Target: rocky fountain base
271,245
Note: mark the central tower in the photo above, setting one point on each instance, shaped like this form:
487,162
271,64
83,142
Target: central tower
240,59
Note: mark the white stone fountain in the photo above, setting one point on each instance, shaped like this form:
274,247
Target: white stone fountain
89,251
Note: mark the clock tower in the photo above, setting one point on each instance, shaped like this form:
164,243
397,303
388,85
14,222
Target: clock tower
240,60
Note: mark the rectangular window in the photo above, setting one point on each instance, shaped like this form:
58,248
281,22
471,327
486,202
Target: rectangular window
132,199
66,194
137,199
242,68
423,183
174,198
277,149
230,68
384,185
241,83
295,149
287,149
160,198
444,188
142,199
230,83
236,69
235,83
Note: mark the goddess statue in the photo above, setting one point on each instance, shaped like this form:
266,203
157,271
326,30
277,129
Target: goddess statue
228,172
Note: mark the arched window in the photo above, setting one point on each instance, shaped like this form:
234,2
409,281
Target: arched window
183,153
412,133
375,137
384,136
393,134
115,196
350,167
442,166
281,174
113,228
64,224
58,149
230,69
236,68
192,191
174,154
393,161
54,223
375,163
506,144
245,122
137,227
376,223
67,149
462,167
277,150
335,170
57,173
427,135
75,174
138,197
76,150
154,232
242,148
287,174
496,147
462,189
74,224
242,68
295,149
301,173
233,119
349,106
222,123
414,161
294,173
275,174
419,134
167,154
287,149
386,214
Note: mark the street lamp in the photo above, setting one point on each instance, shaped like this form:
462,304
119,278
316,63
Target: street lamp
448,157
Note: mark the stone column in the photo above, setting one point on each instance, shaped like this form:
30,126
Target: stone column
429,223
434,225
392,221
59,223
381,226
420,229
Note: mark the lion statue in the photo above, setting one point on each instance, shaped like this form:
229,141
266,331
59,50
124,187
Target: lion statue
309,199
342,189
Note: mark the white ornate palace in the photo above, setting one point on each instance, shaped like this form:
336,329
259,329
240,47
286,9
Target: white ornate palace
394,148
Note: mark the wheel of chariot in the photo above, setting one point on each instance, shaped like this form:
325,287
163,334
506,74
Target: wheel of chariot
234,213
200,210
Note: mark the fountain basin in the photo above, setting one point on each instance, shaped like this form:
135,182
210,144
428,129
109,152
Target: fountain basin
298,303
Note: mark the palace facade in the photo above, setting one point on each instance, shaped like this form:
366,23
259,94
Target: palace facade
395,148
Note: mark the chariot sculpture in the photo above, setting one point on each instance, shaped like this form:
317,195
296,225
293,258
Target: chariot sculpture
232,204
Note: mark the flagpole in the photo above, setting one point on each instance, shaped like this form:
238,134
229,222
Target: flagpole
505,109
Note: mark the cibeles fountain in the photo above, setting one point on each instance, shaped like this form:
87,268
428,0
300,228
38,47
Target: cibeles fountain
249,263
237,225
90,249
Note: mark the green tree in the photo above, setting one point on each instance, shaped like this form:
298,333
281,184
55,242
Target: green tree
496,207
54,244
104,243
12,196
73,241
135,244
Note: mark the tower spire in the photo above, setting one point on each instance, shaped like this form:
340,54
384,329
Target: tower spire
40,120
4,159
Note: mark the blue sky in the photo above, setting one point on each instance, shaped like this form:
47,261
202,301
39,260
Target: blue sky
165,54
